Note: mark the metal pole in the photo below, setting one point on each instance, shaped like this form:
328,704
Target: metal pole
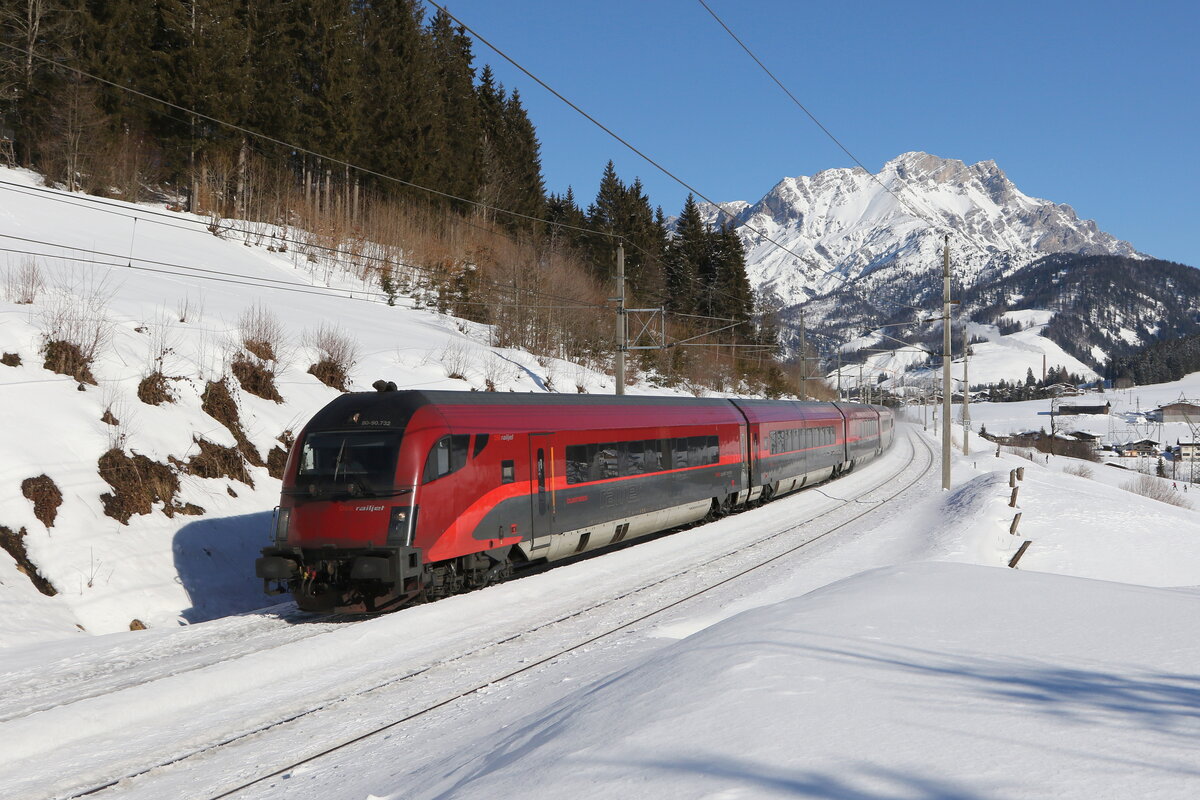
839,374
619,361
966,397
860,383
803,362
947,387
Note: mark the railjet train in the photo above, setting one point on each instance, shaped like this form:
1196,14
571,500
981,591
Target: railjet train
392,496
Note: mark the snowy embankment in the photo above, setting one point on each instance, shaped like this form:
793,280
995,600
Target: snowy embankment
952,677
926,680
156,292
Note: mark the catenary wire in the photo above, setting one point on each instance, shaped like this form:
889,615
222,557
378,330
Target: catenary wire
630,146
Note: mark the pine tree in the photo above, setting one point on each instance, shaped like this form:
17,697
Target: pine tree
683,259
458,128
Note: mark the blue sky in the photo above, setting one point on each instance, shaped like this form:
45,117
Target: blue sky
1095,104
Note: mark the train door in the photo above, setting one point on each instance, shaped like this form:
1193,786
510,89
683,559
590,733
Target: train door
748,453
542,505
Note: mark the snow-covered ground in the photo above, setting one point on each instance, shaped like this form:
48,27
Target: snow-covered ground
1009,357
896,656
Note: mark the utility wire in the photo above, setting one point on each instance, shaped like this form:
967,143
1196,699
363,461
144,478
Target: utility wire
627,144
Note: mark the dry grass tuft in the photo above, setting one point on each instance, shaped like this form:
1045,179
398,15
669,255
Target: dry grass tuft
154,390
336,354
11,359
138,483
218,403
276,462
68,358
45,496
14,545
277,458
215,461
256,377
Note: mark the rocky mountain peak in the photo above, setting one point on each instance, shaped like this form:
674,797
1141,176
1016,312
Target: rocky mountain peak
844,224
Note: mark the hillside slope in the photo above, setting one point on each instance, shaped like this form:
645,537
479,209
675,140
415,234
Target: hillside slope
156,293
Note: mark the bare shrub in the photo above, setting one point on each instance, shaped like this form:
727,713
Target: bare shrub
11,359
454,360
76,327
494,369
261,332
1156,489
22,284
14,544
117,416
262,338
189,308
138,483
45,496
337,353
1080,470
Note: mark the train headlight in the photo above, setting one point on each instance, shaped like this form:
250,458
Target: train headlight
400,525
283,518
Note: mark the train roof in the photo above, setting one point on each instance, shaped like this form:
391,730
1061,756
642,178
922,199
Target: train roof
393,409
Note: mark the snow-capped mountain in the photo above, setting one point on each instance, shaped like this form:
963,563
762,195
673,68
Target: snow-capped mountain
845,224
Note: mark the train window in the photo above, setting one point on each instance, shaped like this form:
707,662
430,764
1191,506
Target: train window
481,440
577,463
447,455
364,457
595,462
606,461
634,462
702,450
679,453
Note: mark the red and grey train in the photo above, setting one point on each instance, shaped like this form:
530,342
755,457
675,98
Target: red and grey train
390,496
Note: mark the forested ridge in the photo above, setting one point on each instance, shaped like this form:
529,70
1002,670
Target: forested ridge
322,113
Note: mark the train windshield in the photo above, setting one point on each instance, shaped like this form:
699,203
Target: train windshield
358,463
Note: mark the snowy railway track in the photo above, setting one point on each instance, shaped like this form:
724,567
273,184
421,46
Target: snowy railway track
58,682
411,694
